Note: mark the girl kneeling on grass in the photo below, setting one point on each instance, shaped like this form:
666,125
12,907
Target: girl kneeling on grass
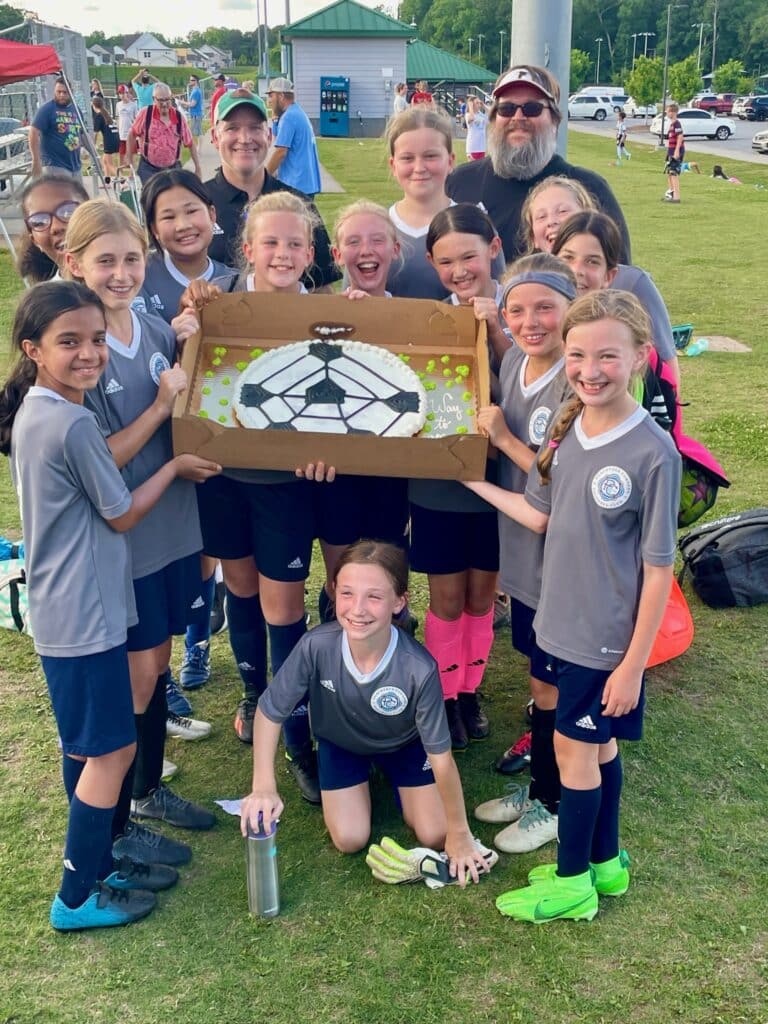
376,699
75,509
605,488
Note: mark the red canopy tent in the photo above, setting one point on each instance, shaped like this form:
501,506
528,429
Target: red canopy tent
19,61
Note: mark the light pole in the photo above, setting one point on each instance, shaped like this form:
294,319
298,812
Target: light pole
645,47
700,25
502,33
714,35
599,42
666,69
634,46
470,40
480,38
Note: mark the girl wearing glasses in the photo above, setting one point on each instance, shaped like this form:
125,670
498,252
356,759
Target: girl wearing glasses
47,203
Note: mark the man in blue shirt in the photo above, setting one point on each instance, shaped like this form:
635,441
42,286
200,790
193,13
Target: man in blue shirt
294,157
194,105
56,133
143,85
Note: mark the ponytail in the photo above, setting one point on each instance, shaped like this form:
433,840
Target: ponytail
562,424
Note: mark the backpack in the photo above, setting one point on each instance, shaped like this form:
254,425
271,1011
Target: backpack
14,608
728,560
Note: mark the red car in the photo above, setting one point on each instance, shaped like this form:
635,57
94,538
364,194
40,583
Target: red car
721,104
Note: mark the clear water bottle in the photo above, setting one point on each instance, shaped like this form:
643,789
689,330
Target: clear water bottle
697,347
261,867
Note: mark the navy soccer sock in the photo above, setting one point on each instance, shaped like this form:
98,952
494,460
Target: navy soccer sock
575,827
605,842
282,640
200,632
123,808
545,776
71,770
248,637
151,743
88,836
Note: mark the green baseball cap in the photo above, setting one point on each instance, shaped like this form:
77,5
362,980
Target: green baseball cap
237,98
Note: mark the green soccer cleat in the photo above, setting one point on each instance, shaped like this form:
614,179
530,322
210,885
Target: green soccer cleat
611,877
566,899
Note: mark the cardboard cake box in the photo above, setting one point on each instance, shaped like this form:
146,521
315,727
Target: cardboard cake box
443,343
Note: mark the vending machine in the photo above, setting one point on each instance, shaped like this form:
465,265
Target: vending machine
334,106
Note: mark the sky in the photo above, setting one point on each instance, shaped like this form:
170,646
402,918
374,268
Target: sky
173,18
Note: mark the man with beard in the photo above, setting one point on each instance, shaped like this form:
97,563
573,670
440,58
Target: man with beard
55,136
521,141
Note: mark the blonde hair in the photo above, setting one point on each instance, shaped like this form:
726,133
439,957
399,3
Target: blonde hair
606,304
413,118
99,217
576,189
280,202
362,207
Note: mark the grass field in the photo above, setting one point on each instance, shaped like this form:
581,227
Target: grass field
686,944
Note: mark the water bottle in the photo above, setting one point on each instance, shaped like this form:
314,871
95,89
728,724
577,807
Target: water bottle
261,867
697,347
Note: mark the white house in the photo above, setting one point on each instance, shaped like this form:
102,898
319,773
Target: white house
98,55
146,49
215,58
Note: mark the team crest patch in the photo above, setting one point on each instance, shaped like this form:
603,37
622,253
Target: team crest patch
158,364
537,424
611,487
389,700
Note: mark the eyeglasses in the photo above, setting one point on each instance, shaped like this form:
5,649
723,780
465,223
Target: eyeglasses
42,219
531,108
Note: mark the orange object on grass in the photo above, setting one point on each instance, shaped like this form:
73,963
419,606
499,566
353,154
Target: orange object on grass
675,634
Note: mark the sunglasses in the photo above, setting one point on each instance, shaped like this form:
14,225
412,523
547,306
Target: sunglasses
531,108
42,220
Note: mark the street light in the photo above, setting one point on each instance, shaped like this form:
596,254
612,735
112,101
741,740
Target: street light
471,40
480,38
502,33
599,42
646,34
634,46
666,68
700,25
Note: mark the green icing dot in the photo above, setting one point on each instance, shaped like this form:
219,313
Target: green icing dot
206,391
216,362
209,374
447,372
467,396
226,380
223,419
203,414
430,366
462,430
470,412
220,350
426,429
405,358
430,415
449,383
420,375
241,365
462,370
430,385
445,360
223,401
255,353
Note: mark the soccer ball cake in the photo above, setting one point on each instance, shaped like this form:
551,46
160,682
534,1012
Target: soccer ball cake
337,387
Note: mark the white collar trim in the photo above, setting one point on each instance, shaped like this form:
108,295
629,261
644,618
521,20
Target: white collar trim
132,350
182,279
497,297
354,671
588,443
38,391
541,382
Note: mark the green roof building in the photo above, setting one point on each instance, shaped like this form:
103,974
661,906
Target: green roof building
375,52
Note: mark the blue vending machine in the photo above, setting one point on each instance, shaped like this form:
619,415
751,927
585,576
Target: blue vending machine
334,106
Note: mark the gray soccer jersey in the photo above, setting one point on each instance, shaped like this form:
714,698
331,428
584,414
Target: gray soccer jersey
78,567
373,714
164,284
642,286
613,503
527,410
128,386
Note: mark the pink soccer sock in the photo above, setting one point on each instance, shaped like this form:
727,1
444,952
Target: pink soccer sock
445,642
478,640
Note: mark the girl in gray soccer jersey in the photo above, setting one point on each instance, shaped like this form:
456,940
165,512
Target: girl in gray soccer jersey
376,699
106,248
75,510
606,489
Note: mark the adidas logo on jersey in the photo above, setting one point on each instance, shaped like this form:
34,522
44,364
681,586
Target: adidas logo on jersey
586,723
113,386
328,684
197,603
296,564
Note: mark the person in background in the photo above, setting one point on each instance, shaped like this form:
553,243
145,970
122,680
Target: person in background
621,139
218,92
422,94
126,110
193,104
158,133
104,124
143,85
400,101
476,119
294,156
56,136
675,154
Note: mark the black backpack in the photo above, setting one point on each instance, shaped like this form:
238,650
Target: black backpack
728,559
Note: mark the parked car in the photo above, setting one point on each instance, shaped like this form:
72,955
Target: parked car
618,99
596,107
760,142
722,103
756,108
737,110
631,109
697,122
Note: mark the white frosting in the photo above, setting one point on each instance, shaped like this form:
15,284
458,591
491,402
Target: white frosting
357,389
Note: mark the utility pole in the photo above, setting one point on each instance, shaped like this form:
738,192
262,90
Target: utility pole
471,40
700,25
541,34
714,36
666,70
634,45
502,33
480,38
599,42
646,34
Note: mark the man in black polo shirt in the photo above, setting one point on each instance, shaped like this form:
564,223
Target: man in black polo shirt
242,136
521,141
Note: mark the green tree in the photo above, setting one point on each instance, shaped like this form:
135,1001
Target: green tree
729,77
684,79
581,65
10,16
646,80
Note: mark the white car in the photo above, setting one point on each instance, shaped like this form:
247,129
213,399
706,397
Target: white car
631,109
596,107
760,141
697,122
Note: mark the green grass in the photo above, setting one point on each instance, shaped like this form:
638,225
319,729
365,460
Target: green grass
687,944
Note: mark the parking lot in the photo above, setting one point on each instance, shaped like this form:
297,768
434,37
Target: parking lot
738,147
